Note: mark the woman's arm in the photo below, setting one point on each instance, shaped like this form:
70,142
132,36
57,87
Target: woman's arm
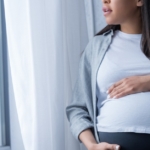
90,143
77,111
87,138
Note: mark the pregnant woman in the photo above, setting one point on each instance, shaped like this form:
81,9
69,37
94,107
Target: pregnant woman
110,105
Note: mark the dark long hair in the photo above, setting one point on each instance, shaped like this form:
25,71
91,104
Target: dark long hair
145,17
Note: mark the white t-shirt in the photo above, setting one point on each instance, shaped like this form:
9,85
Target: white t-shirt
130,113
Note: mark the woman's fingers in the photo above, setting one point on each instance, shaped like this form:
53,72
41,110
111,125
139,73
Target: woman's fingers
112,147
106,146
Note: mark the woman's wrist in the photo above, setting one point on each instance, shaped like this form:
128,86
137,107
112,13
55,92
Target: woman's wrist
92,146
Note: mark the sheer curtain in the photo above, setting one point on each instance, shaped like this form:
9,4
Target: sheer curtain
94,17
45,39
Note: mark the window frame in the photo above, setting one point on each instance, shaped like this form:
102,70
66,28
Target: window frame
4,80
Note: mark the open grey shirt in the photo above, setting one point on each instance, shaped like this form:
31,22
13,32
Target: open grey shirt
82,110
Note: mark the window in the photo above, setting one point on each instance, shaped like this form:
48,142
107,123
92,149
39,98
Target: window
4,109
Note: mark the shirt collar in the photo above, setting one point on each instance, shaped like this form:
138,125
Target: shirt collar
110,31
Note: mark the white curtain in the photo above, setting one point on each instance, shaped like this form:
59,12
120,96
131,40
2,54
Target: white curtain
45,39
94,17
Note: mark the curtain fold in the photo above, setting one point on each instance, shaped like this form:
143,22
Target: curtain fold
45,40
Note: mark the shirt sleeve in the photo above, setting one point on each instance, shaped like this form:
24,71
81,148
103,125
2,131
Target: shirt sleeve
77,111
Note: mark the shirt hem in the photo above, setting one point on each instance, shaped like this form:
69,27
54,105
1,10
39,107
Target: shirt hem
124,129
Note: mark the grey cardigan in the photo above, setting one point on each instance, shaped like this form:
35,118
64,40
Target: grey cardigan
81,112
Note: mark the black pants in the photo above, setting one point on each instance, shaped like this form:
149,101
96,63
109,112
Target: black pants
127,140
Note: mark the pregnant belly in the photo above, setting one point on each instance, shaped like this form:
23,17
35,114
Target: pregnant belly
130,110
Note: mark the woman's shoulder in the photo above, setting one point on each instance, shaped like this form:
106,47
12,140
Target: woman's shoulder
94,41
95,45
98,40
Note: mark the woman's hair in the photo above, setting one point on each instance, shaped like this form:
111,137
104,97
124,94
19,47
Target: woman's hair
145,18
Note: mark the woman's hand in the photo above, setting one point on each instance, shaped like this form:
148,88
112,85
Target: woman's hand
129,85
105,146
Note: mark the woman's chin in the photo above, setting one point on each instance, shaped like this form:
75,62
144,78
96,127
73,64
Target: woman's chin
110,22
